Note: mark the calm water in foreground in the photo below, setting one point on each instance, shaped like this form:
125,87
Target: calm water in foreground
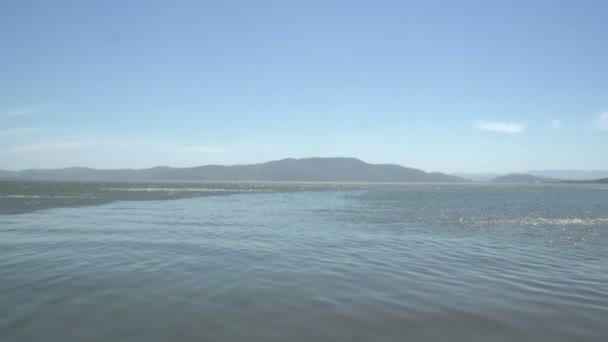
288,262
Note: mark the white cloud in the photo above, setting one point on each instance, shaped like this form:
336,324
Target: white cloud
499,126
602,121
19,111
555,124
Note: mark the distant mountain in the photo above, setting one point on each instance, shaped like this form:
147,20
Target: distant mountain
571,174
590,181
522,178
307,169
5,174
477,176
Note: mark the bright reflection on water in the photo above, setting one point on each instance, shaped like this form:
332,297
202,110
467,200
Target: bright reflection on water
310,263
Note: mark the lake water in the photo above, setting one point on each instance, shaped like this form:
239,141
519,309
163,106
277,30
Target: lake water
303,262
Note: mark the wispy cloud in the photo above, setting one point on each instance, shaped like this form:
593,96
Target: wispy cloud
52,146
59,146
196,149
16,132
555,124
19,111
601,121
499,126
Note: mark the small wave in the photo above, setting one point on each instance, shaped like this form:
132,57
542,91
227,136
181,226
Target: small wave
47,196
565,221
183,190
537,221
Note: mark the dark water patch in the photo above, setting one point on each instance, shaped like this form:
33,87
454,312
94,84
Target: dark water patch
21,197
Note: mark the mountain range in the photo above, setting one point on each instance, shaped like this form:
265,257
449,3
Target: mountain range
571,174
523,179
553,174
338,169
290,169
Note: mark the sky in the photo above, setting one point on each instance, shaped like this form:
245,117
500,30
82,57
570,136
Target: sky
451,86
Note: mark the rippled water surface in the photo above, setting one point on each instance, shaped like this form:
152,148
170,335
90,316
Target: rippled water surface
289,262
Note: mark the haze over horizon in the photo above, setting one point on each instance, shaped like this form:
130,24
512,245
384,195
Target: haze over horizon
467,86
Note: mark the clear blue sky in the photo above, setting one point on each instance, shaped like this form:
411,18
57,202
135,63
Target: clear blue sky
438,85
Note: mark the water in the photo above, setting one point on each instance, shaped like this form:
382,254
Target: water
303,262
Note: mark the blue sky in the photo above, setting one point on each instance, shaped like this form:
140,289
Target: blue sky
449,86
